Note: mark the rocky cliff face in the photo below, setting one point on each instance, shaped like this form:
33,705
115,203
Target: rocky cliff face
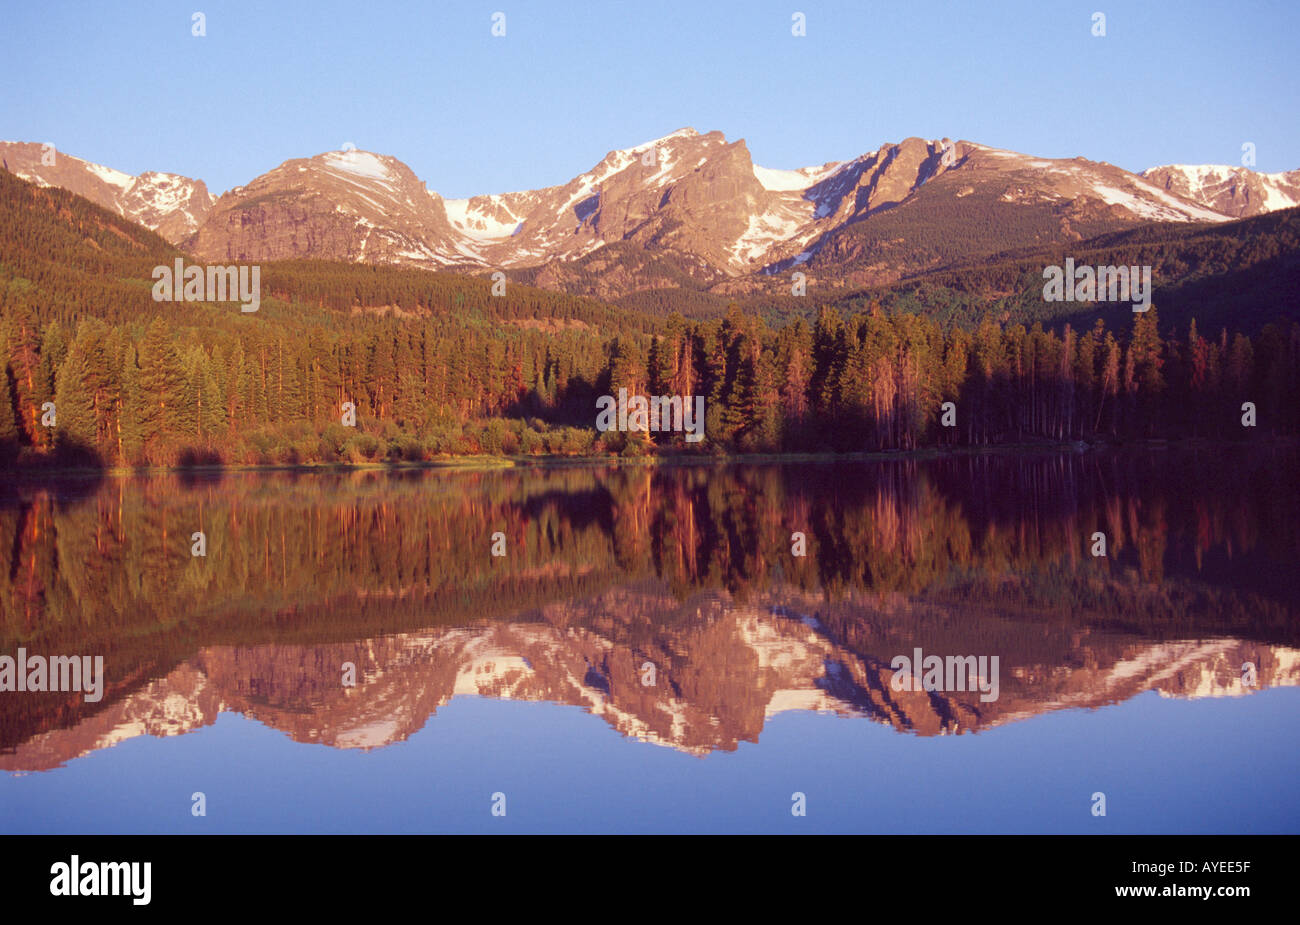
913,209
347,205
687,209
686,191
172,205
692,208
1235,191
718,676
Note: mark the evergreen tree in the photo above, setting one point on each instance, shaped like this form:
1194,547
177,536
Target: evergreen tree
24,339
130,436
199,417
87,391
162,386
9,430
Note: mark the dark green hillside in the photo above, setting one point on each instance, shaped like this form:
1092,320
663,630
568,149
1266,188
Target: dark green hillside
625,267
65,257
434,365
949,221
1241,274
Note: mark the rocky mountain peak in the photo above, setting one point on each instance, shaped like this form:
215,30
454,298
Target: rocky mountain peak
1234,191
693,203
168,203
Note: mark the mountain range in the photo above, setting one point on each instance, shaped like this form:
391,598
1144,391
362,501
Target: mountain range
687,210
759,660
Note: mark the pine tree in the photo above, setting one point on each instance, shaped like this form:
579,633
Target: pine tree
1238,374
162,385
991,378
956,358
87,391
1108,387
9,430
199,416
382,369
830,354
54,350
1146,351
130,436
794,369
25,365
1085,377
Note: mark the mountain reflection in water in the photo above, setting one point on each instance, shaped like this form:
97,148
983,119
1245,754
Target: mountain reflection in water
680,576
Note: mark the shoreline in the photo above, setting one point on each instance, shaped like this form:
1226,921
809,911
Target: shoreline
484,463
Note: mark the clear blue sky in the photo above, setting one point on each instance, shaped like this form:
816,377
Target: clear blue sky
1166,765
130,87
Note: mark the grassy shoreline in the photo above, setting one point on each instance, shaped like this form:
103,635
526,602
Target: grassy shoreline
483,462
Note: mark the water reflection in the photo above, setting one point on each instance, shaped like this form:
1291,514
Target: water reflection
665,600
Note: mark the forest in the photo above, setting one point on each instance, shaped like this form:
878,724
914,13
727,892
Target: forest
432,386
97,373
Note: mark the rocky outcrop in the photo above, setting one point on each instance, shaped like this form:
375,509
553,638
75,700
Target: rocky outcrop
686,210
1235,191
170,204
348,205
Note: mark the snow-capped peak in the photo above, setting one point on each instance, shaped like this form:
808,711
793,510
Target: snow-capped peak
1195,169
659,142
359,163
483,219
109,175
782,181
1235,191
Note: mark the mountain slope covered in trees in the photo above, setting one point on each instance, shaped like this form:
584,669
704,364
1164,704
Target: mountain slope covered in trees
435,365
1241,274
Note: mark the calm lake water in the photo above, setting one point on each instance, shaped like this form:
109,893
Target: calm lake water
650,655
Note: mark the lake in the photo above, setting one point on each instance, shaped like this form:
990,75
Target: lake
674,648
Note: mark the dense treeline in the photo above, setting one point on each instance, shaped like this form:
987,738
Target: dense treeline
96,371
346,287
1239,274
433,362
276,393
878,382
943,229
428,385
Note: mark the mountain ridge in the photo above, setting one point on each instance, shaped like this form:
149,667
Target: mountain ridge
697,201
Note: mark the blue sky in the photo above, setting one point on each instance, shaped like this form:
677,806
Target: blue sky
1171,82
565,770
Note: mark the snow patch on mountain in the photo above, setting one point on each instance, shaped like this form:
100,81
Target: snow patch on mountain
1275,195
31,178
163,191
1025,160
660,142
480,226
1167,209
764,231
360,163
780,181
1198,175
1182,211
109,175
1222,185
